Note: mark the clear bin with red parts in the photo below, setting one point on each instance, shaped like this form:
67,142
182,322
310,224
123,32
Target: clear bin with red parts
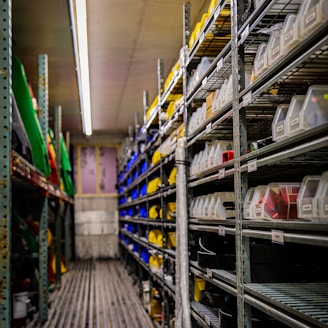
279,202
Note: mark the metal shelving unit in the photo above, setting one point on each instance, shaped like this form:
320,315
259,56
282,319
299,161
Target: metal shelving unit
245,119
230,39
18,177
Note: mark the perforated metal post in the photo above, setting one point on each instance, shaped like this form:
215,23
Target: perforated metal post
186,24
58,128
43,101
58,223
5,180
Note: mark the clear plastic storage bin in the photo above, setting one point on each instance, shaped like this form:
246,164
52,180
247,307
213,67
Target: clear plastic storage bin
247,203
314,111
224,207
278,124
293,119
311,15
257,198
279,202
290,37
306,201
322,198
274,47
261,60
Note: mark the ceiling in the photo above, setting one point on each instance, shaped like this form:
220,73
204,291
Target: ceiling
126,37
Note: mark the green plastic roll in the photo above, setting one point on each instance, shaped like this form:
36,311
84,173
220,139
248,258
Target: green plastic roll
66,169
29,118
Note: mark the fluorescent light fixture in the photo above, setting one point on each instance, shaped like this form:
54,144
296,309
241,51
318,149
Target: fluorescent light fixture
78,14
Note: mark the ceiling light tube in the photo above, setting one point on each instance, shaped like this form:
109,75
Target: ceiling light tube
80,42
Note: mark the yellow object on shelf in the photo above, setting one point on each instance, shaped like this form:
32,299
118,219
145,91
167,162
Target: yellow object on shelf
155,262
170,110
173,176
154,212
156,305
155,236
156,157
212,6
199,286
171,209
153,185
151,108
171,240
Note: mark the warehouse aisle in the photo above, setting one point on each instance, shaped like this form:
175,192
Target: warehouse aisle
97,294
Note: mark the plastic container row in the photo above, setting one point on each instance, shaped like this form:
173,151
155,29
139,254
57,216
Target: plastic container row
311,15
216,206
215,153
303,113
289,201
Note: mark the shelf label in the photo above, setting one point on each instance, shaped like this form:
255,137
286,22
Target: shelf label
277,236
245,34
221,174
217,12
221,230
219,65
207,320
204,82
209,273
247,99
252,166
209,128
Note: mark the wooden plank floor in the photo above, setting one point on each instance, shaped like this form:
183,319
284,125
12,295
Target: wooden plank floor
97,294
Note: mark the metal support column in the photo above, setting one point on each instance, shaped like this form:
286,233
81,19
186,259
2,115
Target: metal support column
43,225
67,224
237,171
58,227
58,218
145,104
58,128
5,170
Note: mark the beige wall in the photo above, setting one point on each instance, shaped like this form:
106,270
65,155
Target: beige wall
96,227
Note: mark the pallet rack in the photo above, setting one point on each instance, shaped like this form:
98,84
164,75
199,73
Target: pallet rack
22,183
297,301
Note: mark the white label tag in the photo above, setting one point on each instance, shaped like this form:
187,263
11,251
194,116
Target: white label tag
219,65
307,207
279,128
294,121
247,99
245,34
276,50
207,320
252,166
288,35
209,273
209,128
277,236
310,18
221,230
221,174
